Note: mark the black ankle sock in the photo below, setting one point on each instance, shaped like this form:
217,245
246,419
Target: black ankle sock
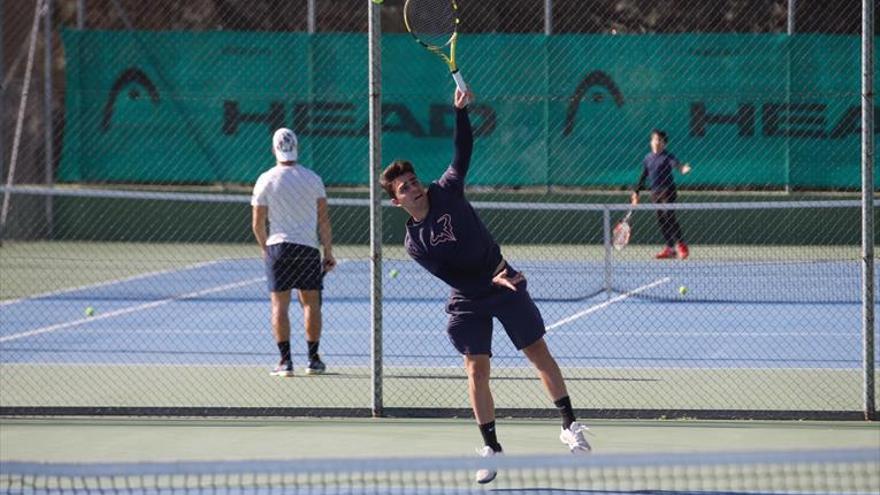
313,350
489,436
565,410
284,348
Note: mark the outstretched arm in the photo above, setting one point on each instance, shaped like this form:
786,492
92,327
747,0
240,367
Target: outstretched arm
463,139
463,136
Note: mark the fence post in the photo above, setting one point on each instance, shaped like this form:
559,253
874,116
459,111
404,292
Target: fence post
48,127
19,122
2,110
375,95
548,30
792,9
868,289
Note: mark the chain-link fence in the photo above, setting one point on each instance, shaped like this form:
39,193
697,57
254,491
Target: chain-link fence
133,133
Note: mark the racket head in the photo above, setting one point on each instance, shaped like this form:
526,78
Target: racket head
621,234
433,23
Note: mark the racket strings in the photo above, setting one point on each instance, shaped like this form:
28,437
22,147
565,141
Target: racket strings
432,21
620,235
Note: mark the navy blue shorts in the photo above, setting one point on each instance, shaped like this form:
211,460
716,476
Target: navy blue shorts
470,319
293,266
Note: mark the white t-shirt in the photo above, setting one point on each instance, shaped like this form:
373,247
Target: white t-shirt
291,193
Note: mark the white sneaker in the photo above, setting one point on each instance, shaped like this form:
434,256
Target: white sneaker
486,475
284,369
574,438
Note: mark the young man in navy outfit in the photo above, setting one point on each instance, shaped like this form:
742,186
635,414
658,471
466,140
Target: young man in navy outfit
657,167
447,237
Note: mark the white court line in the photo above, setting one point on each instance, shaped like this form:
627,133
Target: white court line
111,314
110,282
221,288
593,309
193,266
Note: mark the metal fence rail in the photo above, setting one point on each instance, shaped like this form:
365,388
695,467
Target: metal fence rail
133,134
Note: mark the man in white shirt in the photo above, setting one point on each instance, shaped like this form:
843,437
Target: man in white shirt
292,198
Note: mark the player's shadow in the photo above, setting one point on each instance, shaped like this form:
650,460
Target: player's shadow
524,378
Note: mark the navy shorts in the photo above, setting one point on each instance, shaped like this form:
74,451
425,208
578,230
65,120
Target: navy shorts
470,319
293,266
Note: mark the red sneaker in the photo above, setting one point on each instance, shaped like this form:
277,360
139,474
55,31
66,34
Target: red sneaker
682,250
667,253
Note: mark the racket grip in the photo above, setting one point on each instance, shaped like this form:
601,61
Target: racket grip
459,81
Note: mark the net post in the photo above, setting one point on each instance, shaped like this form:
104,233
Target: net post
375,100
606,241
868,289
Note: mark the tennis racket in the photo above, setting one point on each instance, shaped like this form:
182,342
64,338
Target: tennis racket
434,25
621,232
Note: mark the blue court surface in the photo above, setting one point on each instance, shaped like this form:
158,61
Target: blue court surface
734,315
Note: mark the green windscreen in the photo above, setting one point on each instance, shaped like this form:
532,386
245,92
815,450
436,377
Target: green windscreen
748,110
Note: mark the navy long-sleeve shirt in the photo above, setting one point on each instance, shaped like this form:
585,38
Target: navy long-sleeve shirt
452,242
657,168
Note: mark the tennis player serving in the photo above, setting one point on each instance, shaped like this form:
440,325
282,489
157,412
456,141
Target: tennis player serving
446,236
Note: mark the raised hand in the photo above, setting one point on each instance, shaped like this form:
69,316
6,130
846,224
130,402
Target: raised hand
463,98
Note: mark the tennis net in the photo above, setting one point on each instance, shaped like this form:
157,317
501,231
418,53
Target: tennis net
828,472
764,252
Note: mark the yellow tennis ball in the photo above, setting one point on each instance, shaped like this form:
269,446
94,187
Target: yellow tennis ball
682,290
393,273
90,311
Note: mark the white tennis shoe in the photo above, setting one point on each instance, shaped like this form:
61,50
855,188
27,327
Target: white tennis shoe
486,475
574,438
284,369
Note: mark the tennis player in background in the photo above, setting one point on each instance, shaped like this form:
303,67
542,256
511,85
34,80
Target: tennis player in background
446,237
292,198
657,167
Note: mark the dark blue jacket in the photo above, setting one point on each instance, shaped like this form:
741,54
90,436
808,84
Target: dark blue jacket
452,242
657,168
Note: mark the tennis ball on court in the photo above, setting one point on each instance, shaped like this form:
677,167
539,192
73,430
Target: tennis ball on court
393,273
682,290
90,311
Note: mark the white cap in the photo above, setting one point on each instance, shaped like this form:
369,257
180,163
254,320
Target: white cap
285,145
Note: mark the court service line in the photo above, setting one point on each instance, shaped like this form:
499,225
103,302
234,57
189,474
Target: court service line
139,276
593,309
132,309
